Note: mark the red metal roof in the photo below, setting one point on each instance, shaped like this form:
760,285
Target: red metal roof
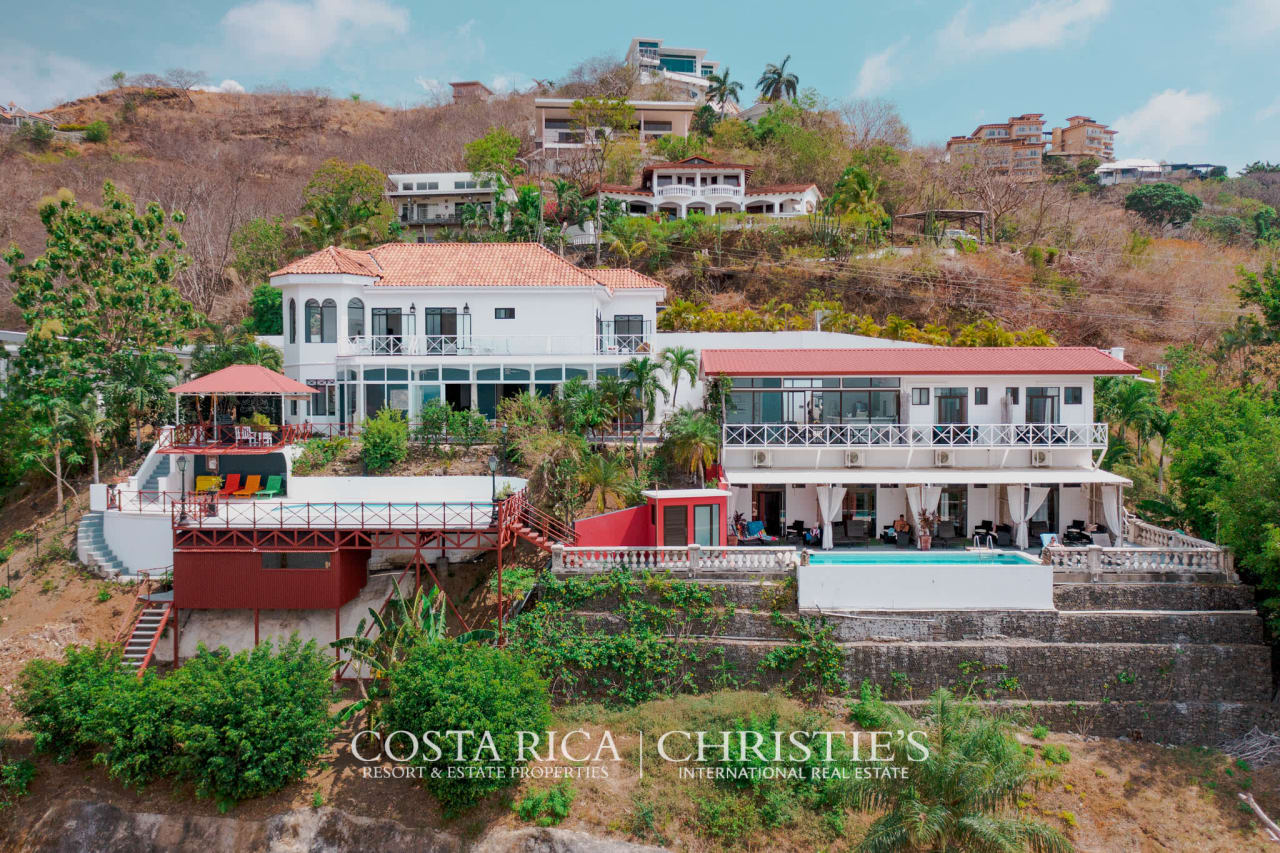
896,361
244,379
447,265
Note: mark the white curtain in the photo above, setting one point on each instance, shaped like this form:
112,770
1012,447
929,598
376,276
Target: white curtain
915,497
1023,505
1111,512
830,504
932,499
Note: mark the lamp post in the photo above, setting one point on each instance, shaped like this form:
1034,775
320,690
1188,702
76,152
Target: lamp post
493,476
182,473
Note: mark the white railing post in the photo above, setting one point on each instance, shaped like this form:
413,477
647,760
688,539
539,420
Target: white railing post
695,559
557,557
1093,559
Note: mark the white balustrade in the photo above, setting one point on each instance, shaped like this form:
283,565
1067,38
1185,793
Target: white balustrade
1100,561
474,345
907,435
691,559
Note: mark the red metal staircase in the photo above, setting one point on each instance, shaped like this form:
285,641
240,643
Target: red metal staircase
535,525
141,645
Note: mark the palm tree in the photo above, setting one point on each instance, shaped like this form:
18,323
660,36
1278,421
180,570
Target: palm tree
677,361
694,439
645,381
1160,425
615,395
604,476
722,89
218,346
963,795
1129,404
97,426
628,250
776,83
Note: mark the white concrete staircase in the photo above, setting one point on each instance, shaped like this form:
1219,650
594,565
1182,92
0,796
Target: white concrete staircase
93,549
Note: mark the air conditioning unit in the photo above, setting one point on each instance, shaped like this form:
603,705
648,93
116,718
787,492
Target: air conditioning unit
853,459
762,459
944,458
1041,458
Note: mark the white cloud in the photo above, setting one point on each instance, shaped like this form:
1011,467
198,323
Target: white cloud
510,82
432,86
226,87
1271,110
1040,25
38,79
1168,123
1252,22
304,31
878,72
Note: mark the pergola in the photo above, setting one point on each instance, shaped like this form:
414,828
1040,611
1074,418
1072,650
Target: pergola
237,380
962,218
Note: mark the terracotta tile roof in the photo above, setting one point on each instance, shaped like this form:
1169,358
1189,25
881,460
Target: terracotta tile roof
779,188
334,260
448,265
894,361
625,279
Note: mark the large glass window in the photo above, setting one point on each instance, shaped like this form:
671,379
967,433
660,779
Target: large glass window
1042,405
706,524
952,405
293,321
314,325
355,318
329,322
388,326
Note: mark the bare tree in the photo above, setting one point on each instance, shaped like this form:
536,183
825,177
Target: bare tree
991,189
599,76
874,121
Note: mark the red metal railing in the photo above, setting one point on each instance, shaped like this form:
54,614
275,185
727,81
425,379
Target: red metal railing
142,501
168,614
206,512
520,512
143,587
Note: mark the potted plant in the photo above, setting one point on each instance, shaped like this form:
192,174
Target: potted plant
737,523
924,538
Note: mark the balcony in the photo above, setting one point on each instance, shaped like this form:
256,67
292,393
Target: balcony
616,343
431,219
709,191
1091,436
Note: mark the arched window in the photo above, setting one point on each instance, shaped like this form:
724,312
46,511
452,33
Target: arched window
293,321
314,321
329,322
355,318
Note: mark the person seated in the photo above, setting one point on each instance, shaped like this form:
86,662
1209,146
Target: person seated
813,536
902,525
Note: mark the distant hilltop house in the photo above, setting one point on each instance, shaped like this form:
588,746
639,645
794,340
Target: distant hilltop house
1137,170
13,116
684,67
1019,147
558,142
425,202
699,185
470,92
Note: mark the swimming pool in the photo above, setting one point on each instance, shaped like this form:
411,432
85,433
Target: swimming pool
914,558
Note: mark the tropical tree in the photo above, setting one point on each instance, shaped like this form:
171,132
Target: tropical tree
219,346
51,445
345,203
1163,204
604,476
856,195
627,249
1129,404
97,426
605,123
721,89
679,361
693,440
644,377
776,83
493,156
962,795
139,391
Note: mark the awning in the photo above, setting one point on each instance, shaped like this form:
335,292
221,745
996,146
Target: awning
244,379
926,476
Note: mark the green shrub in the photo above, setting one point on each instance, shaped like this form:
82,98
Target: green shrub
443,686
97,131
433,421
1054,754
468,427
71,128
548,807
5,593
317,453
1040,732
15,779
65,703
35,134
249,724
384,440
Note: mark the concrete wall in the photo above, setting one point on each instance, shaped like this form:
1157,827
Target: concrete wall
626,527
925,587
140,540
398,489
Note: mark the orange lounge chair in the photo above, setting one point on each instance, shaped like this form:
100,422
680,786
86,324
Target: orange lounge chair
252,485
230,486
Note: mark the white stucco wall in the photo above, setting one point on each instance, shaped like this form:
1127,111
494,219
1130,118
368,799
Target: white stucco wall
396,489
142,540
925,587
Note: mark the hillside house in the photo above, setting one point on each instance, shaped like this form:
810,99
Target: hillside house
699,185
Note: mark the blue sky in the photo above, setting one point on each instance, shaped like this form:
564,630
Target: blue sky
1180,81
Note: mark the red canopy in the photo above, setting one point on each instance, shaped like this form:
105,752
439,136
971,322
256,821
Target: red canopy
244,379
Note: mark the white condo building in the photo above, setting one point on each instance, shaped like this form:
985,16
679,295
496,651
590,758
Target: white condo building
699,185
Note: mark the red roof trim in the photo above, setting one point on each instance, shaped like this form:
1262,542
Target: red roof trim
917,361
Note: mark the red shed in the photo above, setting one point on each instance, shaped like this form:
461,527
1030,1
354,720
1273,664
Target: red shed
675,517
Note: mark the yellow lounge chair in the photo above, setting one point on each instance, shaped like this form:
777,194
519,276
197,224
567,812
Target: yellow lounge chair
252,484
208,483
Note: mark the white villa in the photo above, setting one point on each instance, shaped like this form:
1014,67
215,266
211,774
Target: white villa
425,202
998,439
699,185
684,67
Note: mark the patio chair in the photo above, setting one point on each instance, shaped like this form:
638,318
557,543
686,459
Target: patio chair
252,485
207,483
1004,535
273,489
756,534
230,487
797,530
945,533
902,538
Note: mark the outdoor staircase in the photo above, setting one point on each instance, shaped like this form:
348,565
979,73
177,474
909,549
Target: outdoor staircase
152,483
535,526
90,535
141,645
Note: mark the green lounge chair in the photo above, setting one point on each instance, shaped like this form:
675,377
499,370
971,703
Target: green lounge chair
273,489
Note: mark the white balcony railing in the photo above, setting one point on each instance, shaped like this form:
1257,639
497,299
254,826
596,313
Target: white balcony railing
676,191
709,191
475,345
1092,436
690,559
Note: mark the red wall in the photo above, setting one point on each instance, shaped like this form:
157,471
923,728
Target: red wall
229,580
626,527
689,504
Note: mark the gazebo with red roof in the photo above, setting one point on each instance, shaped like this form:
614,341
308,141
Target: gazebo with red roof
237,380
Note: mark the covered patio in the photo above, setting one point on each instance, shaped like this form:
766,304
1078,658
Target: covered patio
1013,508
223,430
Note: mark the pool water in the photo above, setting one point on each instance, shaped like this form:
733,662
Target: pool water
903,558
